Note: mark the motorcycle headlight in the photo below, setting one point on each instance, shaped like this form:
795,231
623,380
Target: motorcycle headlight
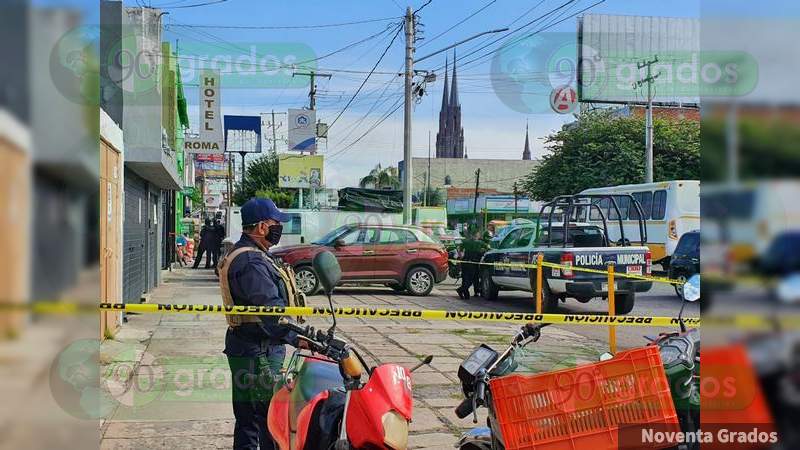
395,431
351,366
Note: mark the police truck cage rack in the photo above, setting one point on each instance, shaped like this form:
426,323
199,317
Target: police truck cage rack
583,204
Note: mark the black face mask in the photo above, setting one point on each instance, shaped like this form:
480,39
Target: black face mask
274,234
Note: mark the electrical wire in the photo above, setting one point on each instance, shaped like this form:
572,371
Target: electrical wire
195,5
428,41
386,50
289,27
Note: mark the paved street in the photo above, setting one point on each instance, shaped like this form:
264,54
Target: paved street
170,381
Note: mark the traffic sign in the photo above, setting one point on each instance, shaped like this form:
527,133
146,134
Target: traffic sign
563,100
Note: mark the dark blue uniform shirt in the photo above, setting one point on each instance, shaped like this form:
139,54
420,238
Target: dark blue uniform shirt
253,281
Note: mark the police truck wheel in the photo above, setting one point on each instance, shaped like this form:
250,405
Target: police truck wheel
489,290
549,300
419,281
623,303
307,280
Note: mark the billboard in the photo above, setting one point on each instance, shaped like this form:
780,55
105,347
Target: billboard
243,134
300,171
302,130
506,204
612,52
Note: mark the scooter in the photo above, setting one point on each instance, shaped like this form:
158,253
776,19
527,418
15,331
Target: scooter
680,355
329,397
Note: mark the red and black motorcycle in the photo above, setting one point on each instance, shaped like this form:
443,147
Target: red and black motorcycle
329,397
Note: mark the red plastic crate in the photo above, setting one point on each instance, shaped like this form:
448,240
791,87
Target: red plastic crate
583,407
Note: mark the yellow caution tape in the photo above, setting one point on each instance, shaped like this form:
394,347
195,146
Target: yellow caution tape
784,322
573,268
404,314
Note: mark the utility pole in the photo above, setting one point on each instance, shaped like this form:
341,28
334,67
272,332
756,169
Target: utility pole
312,93
408,74
274,125
408,175
428,176
243,166
477,186
649,79
516,193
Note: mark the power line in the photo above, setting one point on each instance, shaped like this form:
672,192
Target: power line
428,41
288,27
195,5
375,125
297,65
386,50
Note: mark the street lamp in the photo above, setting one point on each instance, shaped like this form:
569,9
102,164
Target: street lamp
409,71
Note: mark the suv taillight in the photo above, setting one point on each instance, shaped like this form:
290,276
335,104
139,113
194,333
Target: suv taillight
567,259
648,263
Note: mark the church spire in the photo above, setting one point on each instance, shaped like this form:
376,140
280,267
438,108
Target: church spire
526,154
454,84
445,94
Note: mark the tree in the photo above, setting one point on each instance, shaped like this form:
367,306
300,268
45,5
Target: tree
603,149
381,178
261,180
435,197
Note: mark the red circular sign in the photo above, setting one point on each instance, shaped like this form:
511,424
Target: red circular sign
563,99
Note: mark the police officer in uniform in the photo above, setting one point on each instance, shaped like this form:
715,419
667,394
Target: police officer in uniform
254,345
473,249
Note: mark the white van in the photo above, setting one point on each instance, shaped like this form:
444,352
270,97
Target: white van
670,208
307,225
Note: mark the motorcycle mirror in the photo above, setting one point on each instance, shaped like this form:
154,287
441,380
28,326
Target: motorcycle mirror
691,289
328,271
606,356
788,290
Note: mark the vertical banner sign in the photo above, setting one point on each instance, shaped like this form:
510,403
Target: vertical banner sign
211,135
302,130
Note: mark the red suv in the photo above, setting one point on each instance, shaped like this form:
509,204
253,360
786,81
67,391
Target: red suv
401,257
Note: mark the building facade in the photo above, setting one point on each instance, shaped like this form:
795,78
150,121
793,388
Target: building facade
496,174
144,106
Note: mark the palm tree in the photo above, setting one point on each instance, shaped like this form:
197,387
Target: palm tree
380,178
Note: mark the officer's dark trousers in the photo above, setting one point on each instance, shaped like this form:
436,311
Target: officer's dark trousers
203,250
215,255
254,370
469,277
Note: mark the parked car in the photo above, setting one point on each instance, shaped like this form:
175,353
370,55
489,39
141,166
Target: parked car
401,257
685,260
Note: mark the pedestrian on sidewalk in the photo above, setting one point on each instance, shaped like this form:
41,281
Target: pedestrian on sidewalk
254,345
203,247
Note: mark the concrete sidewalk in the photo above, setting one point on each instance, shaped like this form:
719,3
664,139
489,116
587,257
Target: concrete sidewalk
171,384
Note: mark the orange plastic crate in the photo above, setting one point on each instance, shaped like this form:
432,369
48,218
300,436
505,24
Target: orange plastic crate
583,407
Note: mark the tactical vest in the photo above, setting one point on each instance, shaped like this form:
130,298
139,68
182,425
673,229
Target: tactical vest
295,297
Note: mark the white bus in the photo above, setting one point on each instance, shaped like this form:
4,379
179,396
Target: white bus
670,208
746,217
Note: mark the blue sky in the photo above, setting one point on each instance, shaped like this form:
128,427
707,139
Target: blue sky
492,128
